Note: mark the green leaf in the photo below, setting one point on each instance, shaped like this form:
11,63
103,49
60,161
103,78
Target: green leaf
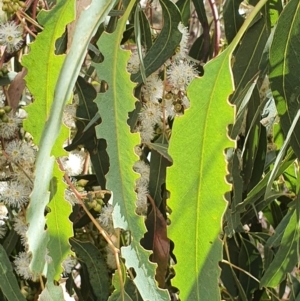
196,51
286,257
8,281
89,255
158,166
86,26
233,219
114,106
46,74
96,147
129,293
203,182
250,261
52,292
274,241
166,43
274,9
232,19
43,50
199,204
185,10
204,40
248,57
145,30
284,65
60,229
259,190
243,100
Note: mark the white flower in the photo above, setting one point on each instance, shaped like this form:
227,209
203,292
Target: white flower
141,206
24,174
147,133
110,258
21,153
180,74
141,202
169,108
3,212
21,227
11,36
22,263
150,114
9,129
71,197
142,168
185,102
133,65
73,164
16,194
105,218
69,115
3,229
153,88
68,264
183,42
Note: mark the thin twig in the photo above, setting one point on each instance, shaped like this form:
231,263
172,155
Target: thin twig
100,229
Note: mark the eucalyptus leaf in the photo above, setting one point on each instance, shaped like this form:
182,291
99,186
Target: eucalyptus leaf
165,44
284,63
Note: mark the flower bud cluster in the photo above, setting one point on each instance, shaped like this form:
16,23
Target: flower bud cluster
12,6
163,96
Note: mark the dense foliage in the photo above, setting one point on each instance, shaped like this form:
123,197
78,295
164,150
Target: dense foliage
149,150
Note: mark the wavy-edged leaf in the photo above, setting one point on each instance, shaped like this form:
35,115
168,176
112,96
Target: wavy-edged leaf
96,147
285,258
204,181
156,239
166,43
8,281
114,106
60,229
86,27
88,254
195,217
43,49
52,292
284,65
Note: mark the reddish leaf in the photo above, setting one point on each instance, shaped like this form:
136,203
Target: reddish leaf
156,239
16,88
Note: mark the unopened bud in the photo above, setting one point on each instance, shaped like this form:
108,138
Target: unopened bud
7,109
4,118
